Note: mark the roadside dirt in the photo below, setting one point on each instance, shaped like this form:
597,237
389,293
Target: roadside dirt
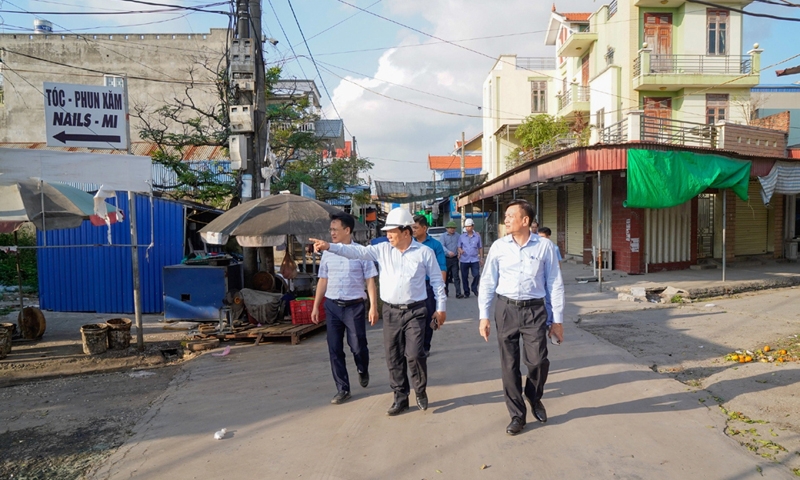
57,429
690,342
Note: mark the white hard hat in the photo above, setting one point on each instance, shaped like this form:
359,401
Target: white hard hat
469,223
398,217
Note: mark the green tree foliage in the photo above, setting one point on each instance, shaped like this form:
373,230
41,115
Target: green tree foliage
184,123
539,129
327,176
28,267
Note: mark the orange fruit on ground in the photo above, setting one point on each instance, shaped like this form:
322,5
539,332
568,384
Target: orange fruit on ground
766,348
748,358
782,352
741,359
735,357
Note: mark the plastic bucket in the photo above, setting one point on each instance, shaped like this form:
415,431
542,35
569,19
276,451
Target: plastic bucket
5,345
119,333
95,338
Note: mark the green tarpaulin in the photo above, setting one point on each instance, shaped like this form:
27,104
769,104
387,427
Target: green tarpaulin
665,179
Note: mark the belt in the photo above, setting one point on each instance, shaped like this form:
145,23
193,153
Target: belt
522,303
408,306
347,303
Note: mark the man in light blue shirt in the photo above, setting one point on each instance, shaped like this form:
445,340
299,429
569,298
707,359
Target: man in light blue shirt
450,245
404,264
521,270
470,254
420,231
342,283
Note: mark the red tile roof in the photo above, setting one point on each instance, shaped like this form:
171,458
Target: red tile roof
453,162
576,17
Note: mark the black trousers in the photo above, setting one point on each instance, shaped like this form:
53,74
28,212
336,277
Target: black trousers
349,322
528,323
452,275
430,306
403,337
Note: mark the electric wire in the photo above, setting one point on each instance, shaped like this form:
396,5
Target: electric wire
322,80
280,24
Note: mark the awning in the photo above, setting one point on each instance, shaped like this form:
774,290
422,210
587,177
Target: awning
784,178
404,192
664,179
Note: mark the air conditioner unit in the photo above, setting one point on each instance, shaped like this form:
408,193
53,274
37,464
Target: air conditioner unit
237,145
241,117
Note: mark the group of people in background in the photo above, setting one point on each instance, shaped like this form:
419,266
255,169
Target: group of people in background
521,273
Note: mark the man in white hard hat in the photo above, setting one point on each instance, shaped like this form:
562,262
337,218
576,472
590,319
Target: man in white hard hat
470,254
404,264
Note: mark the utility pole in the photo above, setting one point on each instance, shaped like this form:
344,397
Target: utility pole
248,108
463,176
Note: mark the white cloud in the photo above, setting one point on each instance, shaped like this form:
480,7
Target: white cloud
387,128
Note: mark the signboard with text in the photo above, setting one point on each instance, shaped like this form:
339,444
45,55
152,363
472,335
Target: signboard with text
88,116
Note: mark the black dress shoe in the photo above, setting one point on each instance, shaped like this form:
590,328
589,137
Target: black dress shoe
397,408
516,426
363,379
539,412
340,398
459,296
422,401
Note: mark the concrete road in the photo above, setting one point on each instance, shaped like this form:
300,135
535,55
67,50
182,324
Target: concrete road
609,417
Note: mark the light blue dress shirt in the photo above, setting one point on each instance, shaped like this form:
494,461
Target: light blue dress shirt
522,273
346,278
471,246
402,274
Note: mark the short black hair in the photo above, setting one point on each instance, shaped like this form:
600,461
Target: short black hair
421,220
347,220
526,208
545,230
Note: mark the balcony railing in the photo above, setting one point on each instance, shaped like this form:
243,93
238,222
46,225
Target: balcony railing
702,64
566,98
560,142
297,127
676,132
617,133
612,9
536,63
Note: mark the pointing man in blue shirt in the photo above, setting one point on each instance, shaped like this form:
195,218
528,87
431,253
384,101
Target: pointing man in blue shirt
404,264
521,270
341,284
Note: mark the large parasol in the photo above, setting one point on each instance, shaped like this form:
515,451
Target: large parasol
265,222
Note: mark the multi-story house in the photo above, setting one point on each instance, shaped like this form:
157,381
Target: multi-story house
664,76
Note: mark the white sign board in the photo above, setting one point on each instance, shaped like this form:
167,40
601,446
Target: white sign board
88,116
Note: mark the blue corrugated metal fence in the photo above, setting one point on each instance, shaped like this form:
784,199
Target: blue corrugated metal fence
98,278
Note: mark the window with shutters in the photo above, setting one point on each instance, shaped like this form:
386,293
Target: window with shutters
538,96
717,21
716,107
600,119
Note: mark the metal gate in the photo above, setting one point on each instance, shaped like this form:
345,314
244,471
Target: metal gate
705,225
575,219
550,212
752,223
668,234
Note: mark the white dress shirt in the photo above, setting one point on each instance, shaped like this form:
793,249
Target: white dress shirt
346,278
402,274
522,273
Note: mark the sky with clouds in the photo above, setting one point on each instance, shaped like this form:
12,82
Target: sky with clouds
401,92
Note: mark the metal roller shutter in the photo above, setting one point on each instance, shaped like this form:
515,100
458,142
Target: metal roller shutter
575,219
550,212
752,223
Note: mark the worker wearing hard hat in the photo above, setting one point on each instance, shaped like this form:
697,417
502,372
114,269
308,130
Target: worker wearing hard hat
404,264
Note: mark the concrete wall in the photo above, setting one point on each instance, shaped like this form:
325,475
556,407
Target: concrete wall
159,67
750,140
